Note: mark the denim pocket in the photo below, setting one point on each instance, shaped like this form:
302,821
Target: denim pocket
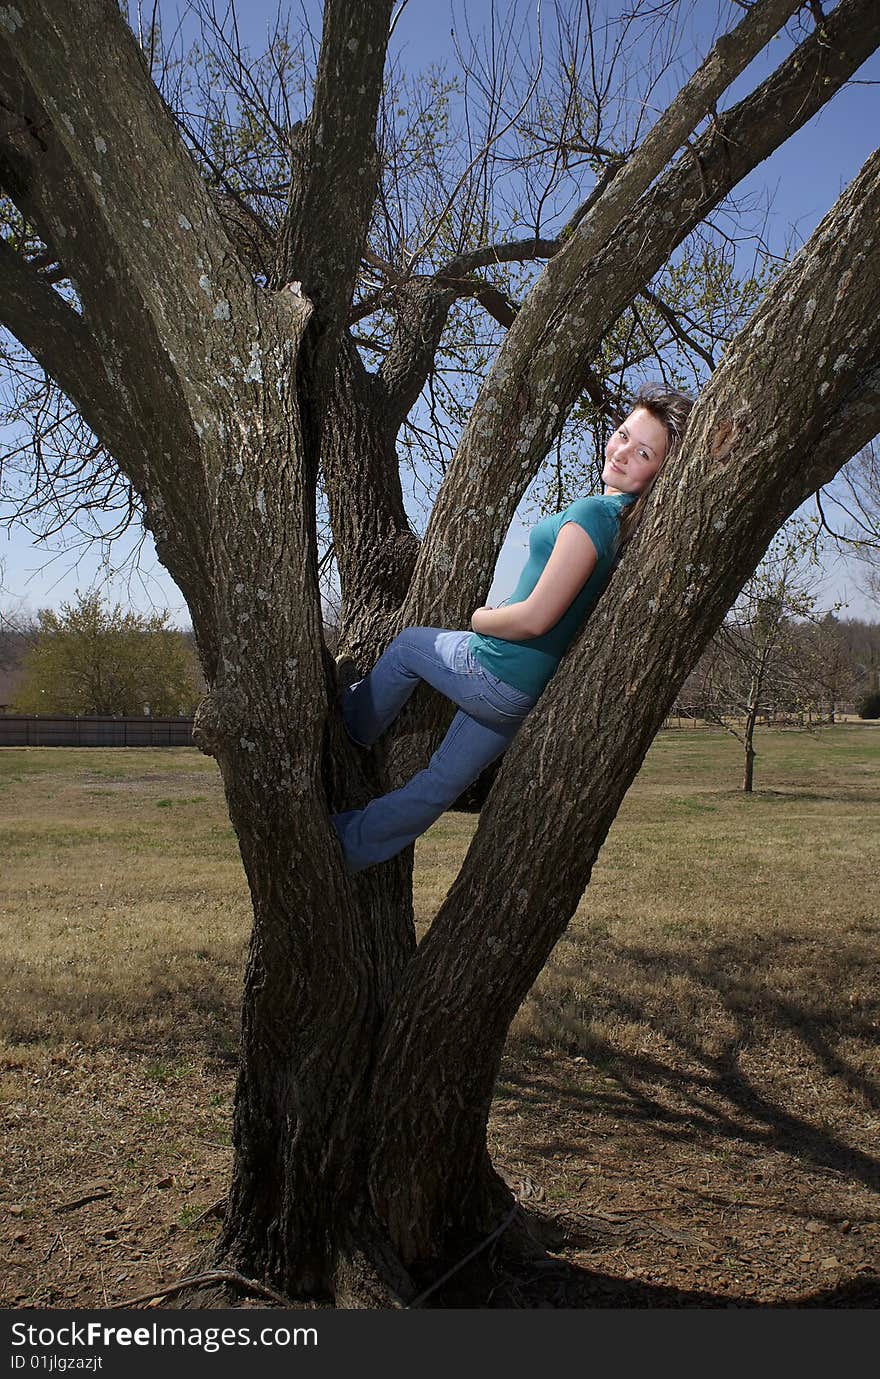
509,704
509,695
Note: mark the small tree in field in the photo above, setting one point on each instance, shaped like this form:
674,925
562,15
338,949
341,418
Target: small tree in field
210,339
754,657
92,659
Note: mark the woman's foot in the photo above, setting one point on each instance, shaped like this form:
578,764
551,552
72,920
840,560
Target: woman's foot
347,674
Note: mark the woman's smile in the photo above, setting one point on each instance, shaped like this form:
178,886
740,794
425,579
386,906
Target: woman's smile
634,453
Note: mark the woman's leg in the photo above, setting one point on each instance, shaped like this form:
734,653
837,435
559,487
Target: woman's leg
392,821
434,654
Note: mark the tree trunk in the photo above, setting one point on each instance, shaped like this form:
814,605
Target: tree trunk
749,770
375,546
749,735
325,954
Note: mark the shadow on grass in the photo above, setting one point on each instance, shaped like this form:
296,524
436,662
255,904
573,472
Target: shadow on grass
157,1013
692,1092
851,794
557,1284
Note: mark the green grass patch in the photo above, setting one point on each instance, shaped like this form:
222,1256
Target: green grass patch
705,904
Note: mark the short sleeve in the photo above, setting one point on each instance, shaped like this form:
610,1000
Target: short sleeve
592,515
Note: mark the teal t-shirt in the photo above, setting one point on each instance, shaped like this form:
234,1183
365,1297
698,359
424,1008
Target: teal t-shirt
528,665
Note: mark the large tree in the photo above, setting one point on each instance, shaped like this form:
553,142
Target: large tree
222,386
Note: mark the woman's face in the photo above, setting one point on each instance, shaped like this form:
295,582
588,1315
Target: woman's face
634,453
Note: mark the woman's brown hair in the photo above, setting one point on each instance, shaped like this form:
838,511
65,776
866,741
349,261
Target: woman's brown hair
672,408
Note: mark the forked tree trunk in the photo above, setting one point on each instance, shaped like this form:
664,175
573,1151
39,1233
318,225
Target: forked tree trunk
367,1066
397,1140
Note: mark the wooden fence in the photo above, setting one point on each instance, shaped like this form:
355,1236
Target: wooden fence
39,730
769,716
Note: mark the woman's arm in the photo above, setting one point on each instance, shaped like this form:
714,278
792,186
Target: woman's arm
572,561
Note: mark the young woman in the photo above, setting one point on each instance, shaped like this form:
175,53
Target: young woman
496,673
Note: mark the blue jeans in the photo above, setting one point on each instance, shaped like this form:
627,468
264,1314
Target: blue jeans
490,711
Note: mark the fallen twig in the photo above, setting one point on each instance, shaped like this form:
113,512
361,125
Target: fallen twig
95,1196
200,1139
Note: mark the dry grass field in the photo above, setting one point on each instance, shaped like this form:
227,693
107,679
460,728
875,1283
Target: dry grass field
691,1093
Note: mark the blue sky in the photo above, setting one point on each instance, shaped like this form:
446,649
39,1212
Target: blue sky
801,181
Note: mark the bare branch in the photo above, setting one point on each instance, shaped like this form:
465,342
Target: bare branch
497,303
401,6
481,154
56,336
335,163
730,56
673,320
514,251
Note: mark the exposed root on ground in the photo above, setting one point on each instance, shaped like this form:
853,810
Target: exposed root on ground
210,1278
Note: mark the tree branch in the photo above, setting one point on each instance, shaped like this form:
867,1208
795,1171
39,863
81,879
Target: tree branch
56,336
374,543
155,233
514,251
335,162
672,319
853,425
422,306
499,306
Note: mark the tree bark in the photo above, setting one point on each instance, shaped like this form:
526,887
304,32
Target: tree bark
375,546
749,770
